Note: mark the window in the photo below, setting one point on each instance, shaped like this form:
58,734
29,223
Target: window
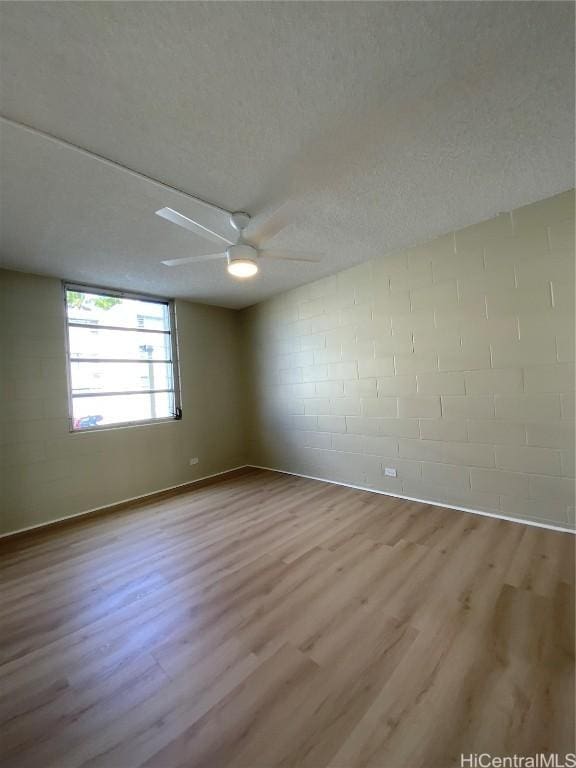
121,358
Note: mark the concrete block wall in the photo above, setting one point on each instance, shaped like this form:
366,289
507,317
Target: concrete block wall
46,472
452,362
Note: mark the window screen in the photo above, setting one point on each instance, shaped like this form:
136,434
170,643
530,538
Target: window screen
122,358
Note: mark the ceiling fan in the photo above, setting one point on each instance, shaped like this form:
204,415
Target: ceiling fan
244,252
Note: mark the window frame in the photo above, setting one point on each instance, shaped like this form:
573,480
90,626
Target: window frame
68,285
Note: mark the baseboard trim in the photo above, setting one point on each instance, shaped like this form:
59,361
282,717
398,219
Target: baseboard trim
509,519
176,490
135,501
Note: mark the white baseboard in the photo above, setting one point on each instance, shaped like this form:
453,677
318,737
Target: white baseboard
191,483
142,497
495,515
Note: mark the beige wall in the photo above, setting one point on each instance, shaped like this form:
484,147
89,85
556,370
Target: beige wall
452,362
48,473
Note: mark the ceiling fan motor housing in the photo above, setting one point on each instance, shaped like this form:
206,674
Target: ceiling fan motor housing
241,252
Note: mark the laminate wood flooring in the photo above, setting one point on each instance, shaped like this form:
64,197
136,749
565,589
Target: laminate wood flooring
270,620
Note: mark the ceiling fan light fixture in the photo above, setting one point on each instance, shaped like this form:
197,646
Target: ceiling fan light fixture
242,256
242,260
242,268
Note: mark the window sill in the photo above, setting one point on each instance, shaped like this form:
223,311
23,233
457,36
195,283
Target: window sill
123,425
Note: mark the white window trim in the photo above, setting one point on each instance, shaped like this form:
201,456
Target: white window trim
100,290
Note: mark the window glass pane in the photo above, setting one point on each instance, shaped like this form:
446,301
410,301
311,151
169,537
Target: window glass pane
90,412
120,377
86,343
96,309
115,345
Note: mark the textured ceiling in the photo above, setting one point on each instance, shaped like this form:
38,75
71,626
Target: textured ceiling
388,123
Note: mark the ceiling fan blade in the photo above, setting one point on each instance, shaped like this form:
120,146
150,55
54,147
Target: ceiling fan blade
193,259
183,221
264,227
282,255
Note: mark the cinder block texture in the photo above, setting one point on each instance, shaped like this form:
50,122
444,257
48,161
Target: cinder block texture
452,361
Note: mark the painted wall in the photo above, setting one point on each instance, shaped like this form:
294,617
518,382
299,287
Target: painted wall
48,473
452,362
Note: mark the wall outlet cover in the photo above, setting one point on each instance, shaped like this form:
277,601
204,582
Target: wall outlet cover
389,471
193,461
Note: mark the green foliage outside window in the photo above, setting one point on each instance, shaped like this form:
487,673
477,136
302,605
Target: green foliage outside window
78,300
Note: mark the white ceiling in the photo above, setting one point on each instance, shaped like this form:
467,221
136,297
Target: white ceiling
389,123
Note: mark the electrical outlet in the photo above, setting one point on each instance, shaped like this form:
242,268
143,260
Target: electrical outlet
389,471
193,461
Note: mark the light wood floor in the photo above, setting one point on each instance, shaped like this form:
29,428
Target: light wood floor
275,621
